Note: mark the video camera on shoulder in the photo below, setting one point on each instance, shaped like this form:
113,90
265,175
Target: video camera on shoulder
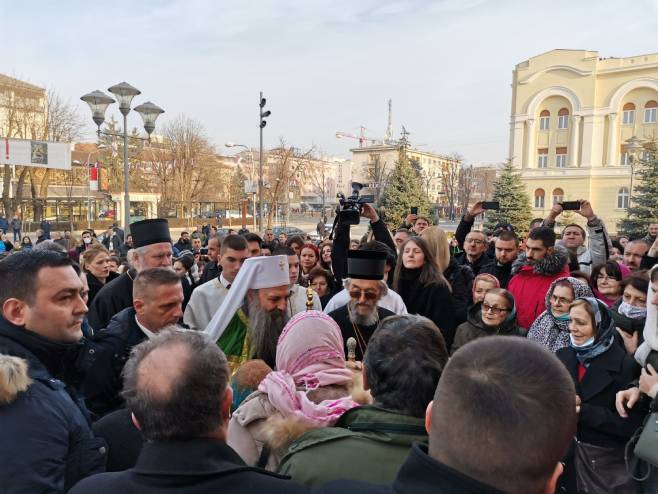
351,206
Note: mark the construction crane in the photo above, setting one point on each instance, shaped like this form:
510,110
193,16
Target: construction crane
361,137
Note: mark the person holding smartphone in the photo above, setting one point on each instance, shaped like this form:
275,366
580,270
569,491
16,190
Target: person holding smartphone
574,236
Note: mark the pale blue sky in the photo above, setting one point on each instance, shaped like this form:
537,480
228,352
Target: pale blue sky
323,65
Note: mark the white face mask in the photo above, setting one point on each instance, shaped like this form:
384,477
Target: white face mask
632,312
583,345
87,240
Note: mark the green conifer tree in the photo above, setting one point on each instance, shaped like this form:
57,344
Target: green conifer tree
403,191
644,198
515,207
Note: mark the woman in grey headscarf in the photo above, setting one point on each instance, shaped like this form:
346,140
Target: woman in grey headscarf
551,328
600,368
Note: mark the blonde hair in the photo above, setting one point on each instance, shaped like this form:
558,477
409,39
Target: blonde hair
94,250
437,241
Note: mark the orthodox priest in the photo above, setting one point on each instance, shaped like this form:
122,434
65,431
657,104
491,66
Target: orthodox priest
152,249
248,323
360,317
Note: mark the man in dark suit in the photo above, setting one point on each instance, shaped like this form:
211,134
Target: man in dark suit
177,388
157,298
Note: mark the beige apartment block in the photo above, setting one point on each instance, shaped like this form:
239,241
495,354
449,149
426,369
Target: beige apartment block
572,113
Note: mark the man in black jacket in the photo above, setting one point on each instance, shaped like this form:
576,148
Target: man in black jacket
177,387
508,392
157,299
212,269
507,250
46,443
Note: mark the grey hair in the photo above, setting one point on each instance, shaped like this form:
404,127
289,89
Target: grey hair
50,245
191,407
382,285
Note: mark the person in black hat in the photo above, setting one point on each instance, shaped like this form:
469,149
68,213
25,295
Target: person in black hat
361,316
152,249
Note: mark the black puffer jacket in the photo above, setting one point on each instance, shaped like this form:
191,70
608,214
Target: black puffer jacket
46,443
475,328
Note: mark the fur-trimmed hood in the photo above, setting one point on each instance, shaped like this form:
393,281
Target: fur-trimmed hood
550,265
14,378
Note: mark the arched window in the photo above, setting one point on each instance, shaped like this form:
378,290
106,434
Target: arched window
558,195
650,111
622,198
544,119
629,114
563,118
539,198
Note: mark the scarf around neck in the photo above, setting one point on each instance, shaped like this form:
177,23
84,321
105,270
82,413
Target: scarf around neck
605,328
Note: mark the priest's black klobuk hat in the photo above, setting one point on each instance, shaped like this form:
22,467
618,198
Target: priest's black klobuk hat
366,264
148,232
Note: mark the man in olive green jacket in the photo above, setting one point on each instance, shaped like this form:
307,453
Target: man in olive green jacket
402,366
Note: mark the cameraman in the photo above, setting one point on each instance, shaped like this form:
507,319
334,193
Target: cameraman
573,237
342,242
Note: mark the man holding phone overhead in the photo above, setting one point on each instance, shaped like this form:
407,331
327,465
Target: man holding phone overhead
573,235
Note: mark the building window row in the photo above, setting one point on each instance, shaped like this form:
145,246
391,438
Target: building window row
560,157
623,197
540,195
562,119
650,110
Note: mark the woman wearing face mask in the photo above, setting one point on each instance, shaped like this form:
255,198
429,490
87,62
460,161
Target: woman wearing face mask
599,368
495,315
87,241
423,288
630,311
551,328
606,281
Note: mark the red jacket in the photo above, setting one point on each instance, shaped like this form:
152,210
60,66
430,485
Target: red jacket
531,282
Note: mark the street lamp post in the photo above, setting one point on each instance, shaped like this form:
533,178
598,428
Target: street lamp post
251,174
262,123
98,103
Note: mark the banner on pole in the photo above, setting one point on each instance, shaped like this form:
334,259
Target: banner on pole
93,176
43,154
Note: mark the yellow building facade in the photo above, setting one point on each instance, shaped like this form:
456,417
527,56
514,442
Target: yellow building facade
572,113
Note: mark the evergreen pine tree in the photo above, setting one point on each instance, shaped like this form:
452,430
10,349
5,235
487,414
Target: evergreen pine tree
403,191
515,207
644,199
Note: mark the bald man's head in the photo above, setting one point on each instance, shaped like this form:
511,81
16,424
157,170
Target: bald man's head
176,386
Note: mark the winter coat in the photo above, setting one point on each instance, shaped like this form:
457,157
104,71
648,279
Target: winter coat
111,348
598,249
480,263
46,443
4,224
433,301
461,279
95,285
367,443
260,434
598,420
419,474
16,225
194,466
124,440
548,331
530,282
501,271
475,328
111,299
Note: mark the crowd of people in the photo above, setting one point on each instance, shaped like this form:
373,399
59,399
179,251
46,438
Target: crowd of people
404,361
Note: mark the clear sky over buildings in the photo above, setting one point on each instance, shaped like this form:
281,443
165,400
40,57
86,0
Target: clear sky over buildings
325,66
